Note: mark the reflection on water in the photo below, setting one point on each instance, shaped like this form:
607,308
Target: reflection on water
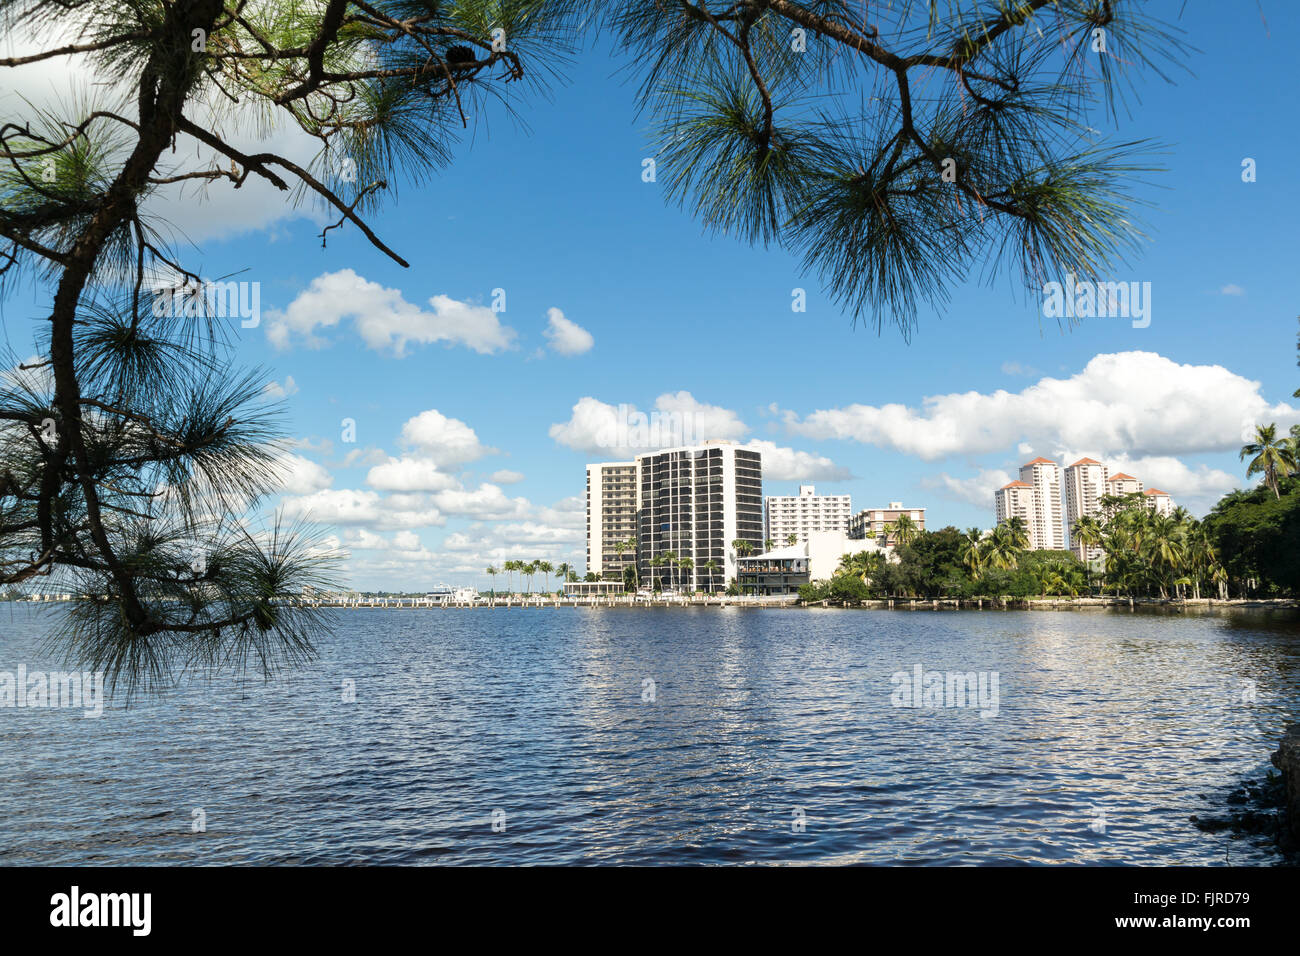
664,736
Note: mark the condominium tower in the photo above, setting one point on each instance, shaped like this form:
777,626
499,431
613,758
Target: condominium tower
694,502
1085,484
611,518
804,513
1035,498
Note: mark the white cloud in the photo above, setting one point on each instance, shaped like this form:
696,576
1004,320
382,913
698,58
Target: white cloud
566,336
977,491
351,506
448,441
787,464
677,419
276,390
487,501
409,474
301,476
1231,289
1015,368
383,318
506,477
1137,403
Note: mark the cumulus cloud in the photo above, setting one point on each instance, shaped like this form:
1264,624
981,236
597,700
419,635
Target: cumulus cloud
409,474
447,441
301,476
351,506
487,501
1136,403
566,336
677,419
787,464
276,390
977,490
383,318
1231,289
506,477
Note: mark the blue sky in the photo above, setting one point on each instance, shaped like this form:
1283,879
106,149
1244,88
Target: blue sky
558,216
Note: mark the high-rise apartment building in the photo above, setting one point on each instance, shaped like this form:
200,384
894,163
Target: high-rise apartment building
874,522
804,513
1046,530
611,518
1122,484
1159,501
1084,486
694,502
1015,499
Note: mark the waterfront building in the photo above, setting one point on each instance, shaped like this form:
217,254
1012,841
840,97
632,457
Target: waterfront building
805,513
872,523
611,518
1083,488
785,570
694,502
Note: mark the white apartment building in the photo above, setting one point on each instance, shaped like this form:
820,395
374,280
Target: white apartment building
1046,530
611,518
1083,488
784,570
805,513
1159,501
1015,499
694,502
1122,484
872,522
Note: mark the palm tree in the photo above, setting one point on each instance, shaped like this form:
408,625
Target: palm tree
972,550
564,570
492,576
656,562
670,559
1273,457
687,565
792,539
530,569
711,566
742,547
905,530
546,568
768,544
1019,533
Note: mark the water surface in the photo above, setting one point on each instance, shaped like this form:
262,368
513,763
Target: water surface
772,737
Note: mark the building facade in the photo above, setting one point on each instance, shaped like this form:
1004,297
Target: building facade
694,502
1159,501
1015,499
1122,484
611,518
1083,488
805,513
1047,529
785,570
871,524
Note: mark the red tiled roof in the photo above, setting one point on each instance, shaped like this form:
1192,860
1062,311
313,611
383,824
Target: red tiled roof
1041,461
1156,491
1121,477
1085,461
1017,484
